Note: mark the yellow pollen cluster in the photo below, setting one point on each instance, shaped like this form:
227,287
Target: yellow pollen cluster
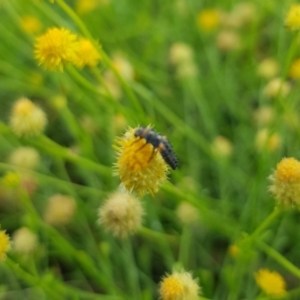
271,282
139,166
11,180
295,69
30,24
26,118
86,54
56,46
179,286
286,182
292,20
171,288
208,19
288,170
4,244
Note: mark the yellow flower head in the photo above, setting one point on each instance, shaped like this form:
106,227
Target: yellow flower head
295,69
24,157
268,68
30,24
85,6
122,214
234,250
286,182
208,19
11,180
60,210
187,213
4,244
271,282
292,19
179,286
24,241
26,118
139,166
86,54
56,46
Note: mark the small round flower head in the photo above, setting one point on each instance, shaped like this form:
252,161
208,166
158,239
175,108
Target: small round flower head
86,54
187,213
24,157
24,241
180,53
60,210
263,115
277,87
85,6
234,250
121,214
4,244
187,70
123,66
286,182
221,146
292,19
228,40
112,85
11,180
268,68
295,69
179,286
208,19
266,140
245,11
56,46
139,166
26,118
30,24
271,282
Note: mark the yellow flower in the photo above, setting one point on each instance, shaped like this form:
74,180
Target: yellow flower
56,46
4,244
86,54
85,6
268,68
295,69
187,213
30,24
221,146
208,19
271,282
25,157
234,250
277,87
292,19
60,210
286,182
179,286
139,166
11,180
121,214
26,118
24,241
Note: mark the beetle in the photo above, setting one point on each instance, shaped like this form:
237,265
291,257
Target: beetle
160,143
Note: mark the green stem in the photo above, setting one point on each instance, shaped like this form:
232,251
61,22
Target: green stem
50,180
275,213
157,237
40,282
69,11
279,258
49,146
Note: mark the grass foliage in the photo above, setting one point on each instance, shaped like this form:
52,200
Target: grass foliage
216,92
